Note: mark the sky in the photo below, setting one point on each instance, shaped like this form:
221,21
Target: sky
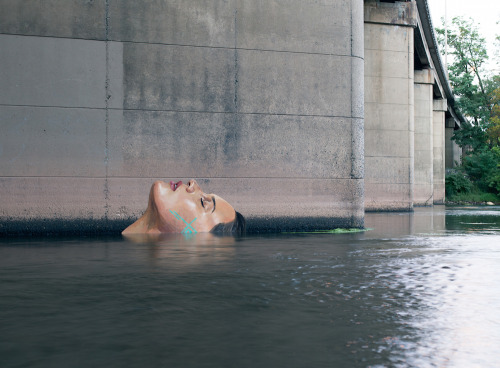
485,13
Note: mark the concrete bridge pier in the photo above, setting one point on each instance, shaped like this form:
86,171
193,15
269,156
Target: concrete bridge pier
424,175
453,153
389,105
440,108
259,101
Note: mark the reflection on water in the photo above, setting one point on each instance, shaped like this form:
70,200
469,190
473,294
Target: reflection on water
181,252
418,290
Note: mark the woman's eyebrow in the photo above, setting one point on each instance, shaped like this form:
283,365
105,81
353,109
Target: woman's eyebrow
213,199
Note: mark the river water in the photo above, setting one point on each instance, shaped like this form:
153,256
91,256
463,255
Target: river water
416,290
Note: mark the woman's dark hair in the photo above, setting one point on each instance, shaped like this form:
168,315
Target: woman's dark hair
235,227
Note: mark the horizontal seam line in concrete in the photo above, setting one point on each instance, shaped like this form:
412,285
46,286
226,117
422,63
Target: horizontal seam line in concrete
245,113
54,106
389,130
405,157
372,183
159,177
386,77
229,48
387,103
240,48
405,52
181,111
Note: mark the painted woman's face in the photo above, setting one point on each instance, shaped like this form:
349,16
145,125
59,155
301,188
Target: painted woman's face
182,208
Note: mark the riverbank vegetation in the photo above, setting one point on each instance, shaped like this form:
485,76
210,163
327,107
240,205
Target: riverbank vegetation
476,179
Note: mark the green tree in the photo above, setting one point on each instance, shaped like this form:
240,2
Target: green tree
494,124
478,96
466,72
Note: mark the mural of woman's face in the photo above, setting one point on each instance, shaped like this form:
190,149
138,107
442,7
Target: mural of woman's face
181,208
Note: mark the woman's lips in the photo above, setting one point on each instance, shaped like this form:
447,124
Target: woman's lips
174,185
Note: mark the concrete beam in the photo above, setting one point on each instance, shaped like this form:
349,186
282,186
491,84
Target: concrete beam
397,13
425,76
450,123
440,105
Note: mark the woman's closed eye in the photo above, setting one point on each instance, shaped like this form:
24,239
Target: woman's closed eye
205,202
208,203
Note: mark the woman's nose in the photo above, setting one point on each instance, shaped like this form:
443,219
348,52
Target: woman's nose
193,186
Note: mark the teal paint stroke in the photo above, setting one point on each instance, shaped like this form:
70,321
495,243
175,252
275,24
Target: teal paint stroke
188,229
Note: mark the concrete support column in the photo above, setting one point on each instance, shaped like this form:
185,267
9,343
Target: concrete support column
440,107
423,187
259,101
453,153
389,110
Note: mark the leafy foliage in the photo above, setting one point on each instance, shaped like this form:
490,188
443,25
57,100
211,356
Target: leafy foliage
457,183
466,73
481,167
471,138
494,124
493,178
478,98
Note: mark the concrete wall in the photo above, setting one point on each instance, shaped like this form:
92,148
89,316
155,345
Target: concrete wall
440,107
453,152
423,187
260,101
389,106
